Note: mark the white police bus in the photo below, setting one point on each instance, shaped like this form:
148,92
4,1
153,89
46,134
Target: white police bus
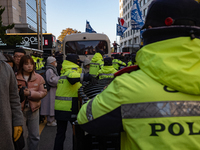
85,44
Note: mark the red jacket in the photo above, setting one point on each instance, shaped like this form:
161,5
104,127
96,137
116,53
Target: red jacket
36,86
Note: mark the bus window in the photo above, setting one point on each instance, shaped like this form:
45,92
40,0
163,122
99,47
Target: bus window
85,47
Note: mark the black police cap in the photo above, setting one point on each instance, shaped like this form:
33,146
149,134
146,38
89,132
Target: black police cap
73,58
107,61
173,12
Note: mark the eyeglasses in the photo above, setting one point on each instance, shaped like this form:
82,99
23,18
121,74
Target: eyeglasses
18,56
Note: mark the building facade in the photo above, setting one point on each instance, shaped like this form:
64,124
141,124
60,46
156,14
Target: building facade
23,13
131,40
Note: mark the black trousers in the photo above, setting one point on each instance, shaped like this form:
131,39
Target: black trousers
60,135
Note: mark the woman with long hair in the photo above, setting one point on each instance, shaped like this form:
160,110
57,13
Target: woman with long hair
34,91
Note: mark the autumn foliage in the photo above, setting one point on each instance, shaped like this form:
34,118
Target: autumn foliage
67,31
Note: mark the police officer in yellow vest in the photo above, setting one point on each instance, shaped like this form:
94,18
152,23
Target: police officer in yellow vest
117,62
107,71
157,106
132,61
96,63
38,61
66,100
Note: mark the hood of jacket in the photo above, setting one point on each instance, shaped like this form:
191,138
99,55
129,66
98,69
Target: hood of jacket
68,65
108,69
96,57
174,63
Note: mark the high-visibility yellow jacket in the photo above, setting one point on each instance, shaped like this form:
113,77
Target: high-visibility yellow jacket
106,72
95,64
66,101
156,107
116,63
39,63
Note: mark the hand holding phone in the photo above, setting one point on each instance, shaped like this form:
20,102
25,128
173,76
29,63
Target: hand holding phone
26,92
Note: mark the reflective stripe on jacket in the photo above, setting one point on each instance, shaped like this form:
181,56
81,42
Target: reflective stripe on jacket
116,63
66,101
106,72
156,107
95,64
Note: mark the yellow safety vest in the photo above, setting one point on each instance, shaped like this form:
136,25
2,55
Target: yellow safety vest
66,100
156,107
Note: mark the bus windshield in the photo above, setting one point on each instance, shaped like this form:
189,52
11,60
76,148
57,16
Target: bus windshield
85,47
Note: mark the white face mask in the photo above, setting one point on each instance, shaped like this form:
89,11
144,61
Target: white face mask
55,64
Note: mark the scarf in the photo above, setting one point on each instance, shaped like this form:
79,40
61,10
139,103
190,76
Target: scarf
49,66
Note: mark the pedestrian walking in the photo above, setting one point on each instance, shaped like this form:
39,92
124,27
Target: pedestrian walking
34,91
10,112
48,102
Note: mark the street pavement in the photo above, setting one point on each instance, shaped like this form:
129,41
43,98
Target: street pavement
47,138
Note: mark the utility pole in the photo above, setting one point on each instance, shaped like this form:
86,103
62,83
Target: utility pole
8,15
38,36
41,26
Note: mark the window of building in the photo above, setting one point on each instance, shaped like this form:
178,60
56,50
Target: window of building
125,43
128,33
135,40
130,42
128,5
145,1
128,24
145,12
141,4
128,15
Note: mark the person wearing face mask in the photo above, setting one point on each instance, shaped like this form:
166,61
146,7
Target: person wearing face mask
48,102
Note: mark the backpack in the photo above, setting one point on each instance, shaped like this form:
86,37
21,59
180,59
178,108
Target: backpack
44,76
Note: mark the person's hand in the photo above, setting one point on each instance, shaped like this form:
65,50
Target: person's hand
17,132
19,86
26,92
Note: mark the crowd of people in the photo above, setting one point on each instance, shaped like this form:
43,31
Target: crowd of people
42,95
153,106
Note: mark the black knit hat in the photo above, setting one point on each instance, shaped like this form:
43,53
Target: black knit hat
107,61
98,50
20,50
173,12
73,58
